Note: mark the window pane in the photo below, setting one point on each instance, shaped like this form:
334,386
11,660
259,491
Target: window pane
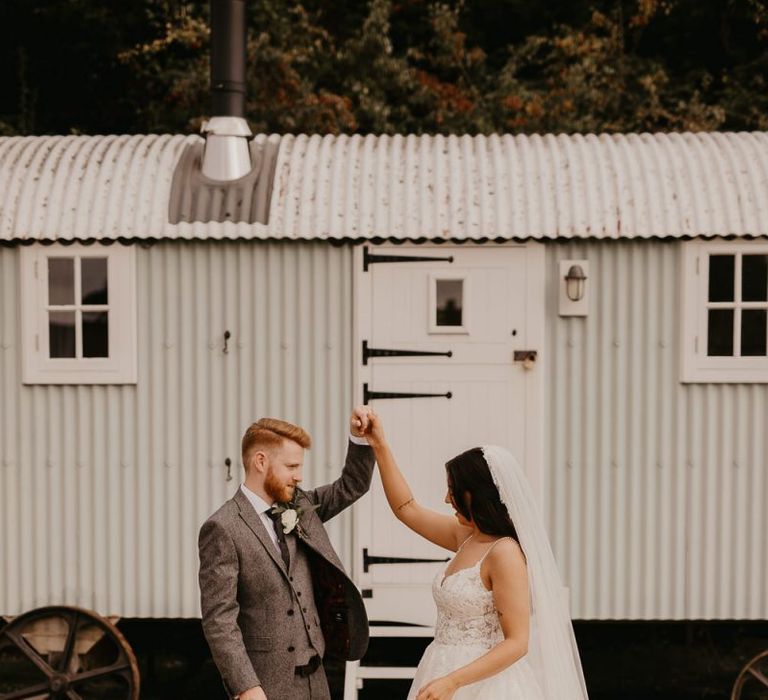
720,332
96,334
449,302
61,281
721,277
754,280
753,332
61,333
94,280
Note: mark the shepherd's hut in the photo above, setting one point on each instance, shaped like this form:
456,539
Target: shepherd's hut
597,303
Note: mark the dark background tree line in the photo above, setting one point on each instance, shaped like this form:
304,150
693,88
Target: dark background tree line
386,66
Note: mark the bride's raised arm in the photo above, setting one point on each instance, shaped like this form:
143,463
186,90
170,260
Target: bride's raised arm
444,530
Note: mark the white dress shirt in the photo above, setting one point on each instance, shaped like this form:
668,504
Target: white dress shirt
262,508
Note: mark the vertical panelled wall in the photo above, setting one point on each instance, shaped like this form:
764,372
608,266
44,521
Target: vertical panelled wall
103,488
657,490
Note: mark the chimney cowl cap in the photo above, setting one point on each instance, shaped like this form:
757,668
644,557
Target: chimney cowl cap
226,126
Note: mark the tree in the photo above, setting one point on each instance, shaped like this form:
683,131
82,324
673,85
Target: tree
418,66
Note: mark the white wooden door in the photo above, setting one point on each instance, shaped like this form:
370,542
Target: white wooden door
477,306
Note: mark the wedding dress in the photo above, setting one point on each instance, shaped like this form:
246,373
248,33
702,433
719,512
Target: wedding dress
468,625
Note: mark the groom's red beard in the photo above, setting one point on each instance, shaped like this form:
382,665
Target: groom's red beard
276,489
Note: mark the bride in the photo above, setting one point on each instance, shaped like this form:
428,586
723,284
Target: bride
503,631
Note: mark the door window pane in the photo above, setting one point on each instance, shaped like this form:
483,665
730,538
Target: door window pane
94,280
754,278
720,332
721,276
753,332
61,333
96,334
61,281
450,302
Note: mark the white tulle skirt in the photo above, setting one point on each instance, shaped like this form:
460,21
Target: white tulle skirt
516,682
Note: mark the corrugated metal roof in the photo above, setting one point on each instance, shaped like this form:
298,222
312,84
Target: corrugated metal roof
194,197
403,187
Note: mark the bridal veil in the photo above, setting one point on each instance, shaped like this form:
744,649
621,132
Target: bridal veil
552,650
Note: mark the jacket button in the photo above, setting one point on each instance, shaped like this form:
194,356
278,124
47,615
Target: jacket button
290,612
291,649
298,593
304,609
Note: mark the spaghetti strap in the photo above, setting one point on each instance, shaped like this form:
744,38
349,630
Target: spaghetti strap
463,543
488,551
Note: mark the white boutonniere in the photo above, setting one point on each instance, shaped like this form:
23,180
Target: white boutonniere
290,516
289,519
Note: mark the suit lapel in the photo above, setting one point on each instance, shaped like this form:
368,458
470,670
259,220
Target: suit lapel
255,525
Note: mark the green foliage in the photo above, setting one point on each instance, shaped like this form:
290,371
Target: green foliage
585,80
418,66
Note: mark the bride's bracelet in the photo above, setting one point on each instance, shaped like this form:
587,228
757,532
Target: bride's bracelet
403,505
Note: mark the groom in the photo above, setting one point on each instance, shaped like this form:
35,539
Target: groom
274,595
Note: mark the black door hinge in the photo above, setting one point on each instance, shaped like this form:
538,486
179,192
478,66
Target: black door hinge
381,352
369,560
370,395
371,258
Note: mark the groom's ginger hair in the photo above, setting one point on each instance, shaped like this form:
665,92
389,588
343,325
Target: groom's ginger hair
268,433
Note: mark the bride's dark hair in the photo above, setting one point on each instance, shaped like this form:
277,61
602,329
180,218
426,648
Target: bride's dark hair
468,473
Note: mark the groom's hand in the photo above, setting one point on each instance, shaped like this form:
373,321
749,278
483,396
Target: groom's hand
253,694
359,421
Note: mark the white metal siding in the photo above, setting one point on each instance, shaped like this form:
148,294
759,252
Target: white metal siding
403,187
656,490
103,488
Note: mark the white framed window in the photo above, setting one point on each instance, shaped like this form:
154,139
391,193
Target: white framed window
448,303
725,311
78,314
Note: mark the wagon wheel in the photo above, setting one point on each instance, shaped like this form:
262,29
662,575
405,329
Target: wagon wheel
64,653
752,682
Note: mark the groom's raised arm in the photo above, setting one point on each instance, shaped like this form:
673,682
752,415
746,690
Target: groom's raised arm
354,482
218,599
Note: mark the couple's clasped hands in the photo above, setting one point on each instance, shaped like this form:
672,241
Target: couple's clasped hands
365,423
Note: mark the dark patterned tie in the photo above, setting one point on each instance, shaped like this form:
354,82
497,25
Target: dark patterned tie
280,537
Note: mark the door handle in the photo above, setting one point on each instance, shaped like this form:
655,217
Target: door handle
527,357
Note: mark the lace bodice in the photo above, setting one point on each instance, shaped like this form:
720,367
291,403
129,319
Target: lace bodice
466,614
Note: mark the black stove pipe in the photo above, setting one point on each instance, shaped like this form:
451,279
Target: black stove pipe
228,58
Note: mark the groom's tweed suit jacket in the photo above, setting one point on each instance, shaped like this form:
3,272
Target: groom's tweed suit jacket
259,618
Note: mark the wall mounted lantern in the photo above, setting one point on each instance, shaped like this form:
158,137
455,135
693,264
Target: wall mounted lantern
574,290
575,282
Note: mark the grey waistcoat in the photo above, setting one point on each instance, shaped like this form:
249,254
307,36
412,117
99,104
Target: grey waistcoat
307,633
